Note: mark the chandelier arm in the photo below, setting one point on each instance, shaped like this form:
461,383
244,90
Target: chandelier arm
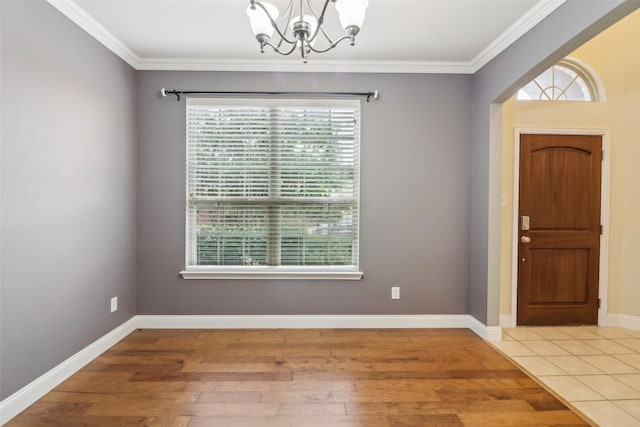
320,21
289,12
324,9
326,36
334,44
277,50
274,25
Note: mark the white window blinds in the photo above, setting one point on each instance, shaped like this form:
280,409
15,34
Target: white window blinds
272,183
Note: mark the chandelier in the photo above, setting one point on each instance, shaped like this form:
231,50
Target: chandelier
300,27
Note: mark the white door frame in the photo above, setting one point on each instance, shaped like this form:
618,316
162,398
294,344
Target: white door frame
604,214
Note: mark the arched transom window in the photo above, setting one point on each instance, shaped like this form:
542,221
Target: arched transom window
568,80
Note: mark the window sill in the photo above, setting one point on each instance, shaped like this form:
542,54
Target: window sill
270,273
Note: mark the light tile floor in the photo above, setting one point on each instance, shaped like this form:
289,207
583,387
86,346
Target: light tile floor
596,370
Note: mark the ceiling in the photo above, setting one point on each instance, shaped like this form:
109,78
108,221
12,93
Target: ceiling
434,36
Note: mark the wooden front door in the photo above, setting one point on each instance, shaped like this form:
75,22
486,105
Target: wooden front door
559,232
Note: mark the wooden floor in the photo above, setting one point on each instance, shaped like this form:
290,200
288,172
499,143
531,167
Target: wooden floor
306,378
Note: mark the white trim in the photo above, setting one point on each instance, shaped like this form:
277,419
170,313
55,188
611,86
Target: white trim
507,321
624,321
84,20
26,396
317,66
515,227
537,13
588,74
198,110
80,17
605,181
270,274
489,333
337,321
605,194
20,400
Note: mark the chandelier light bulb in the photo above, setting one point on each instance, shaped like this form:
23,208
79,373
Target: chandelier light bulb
260,22
351,12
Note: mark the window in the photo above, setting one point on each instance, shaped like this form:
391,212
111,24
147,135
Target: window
568,80
272,188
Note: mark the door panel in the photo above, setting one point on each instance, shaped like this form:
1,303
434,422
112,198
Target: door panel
560,275
559,253
560,195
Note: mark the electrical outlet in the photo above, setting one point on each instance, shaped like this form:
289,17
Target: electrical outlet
395,292
114,304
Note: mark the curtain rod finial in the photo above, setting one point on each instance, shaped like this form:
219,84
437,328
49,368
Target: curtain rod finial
165,92
373,94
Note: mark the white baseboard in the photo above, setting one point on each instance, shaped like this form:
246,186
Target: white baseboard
303,321
624,321
26,396
20,400
489,333
621,320
492,333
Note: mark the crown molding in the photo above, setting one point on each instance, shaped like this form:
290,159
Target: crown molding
77,14
537,13
317,66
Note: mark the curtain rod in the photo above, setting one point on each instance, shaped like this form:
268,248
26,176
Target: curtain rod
178,93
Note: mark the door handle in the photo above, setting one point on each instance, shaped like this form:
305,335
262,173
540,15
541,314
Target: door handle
525,239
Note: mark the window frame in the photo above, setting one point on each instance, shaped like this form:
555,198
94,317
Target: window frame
584,73
246,272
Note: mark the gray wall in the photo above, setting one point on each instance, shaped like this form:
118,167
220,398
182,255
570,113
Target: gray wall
572,24
414,200
67,193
